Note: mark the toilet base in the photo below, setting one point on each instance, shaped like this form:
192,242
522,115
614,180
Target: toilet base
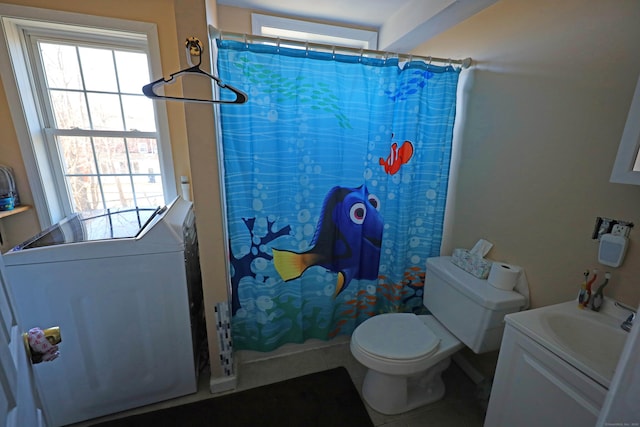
395,394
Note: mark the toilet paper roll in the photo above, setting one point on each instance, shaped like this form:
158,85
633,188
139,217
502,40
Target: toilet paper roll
504,276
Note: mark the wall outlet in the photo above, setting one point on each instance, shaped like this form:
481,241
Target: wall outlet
620,230
603,226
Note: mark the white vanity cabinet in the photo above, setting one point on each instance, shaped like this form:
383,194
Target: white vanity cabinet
534,387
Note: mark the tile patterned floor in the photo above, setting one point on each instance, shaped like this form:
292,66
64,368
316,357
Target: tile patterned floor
459,407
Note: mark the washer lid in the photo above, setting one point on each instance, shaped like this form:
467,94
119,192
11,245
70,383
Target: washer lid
396,336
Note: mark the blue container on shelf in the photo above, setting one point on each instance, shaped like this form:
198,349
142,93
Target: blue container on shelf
7,203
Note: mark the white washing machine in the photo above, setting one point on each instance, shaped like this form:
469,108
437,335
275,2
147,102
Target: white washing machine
124,288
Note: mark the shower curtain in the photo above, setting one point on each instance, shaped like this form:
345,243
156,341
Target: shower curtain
335,175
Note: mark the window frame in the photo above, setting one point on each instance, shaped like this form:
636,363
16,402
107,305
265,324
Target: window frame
28,114
362,39
628,158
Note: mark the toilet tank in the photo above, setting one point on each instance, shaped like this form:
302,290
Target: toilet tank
470,308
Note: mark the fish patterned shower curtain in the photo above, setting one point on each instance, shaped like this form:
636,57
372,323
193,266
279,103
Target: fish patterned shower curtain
335,174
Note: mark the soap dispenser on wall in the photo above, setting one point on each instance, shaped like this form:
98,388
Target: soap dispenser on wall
613,248
613,235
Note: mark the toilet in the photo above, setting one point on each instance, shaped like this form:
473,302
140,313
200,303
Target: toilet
406,354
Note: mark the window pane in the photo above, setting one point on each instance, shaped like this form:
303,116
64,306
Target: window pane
138,113
98,69
111,155
105,111
85,193
117,191
94,89
133,71
69,110
148,190
61,66
77,155
143,153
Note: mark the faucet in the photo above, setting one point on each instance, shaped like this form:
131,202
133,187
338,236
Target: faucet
628,323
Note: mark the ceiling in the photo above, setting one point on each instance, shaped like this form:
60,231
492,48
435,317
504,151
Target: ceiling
402,25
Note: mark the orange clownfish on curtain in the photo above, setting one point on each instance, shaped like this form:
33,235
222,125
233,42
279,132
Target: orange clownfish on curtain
397,157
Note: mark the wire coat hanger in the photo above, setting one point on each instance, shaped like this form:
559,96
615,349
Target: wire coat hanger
194,47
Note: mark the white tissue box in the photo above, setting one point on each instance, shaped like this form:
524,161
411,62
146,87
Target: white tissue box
471,263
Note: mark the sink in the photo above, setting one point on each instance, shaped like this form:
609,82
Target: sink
590,341
589,337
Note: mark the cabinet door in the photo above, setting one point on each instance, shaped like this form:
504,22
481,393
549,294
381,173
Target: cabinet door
18,405
126,332
533,387
621,406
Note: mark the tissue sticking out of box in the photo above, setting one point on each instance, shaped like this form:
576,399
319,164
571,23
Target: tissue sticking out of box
472,261
481,248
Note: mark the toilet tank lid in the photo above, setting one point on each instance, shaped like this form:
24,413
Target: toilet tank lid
477,289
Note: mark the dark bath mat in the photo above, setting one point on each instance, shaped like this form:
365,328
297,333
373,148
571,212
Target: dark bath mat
323,399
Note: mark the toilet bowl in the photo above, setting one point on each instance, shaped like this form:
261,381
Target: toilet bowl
406,354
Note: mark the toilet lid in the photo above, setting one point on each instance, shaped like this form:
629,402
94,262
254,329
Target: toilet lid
396,336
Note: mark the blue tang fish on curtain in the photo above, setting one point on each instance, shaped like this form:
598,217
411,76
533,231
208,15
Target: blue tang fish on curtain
349,231
335,182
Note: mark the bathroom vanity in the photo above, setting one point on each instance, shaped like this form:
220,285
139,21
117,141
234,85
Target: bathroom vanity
555,366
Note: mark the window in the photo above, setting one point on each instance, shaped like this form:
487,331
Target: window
93,136
292,29
97,120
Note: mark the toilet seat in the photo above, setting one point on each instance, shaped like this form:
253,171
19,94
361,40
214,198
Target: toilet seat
395,337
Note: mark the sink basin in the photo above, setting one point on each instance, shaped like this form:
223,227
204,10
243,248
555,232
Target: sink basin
590,341
588,337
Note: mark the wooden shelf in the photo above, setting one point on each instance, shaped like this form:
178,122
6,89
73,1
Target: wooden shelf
16,210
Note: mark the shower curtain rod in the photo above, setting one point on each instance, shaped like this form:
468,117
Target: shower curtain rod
464,63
